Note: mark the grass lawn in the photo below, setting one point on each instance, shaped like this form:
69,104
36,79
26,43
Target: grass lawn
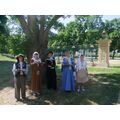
103,87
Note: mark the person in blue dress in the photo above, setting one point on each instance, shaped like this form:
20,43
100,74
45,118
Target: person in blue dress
68,79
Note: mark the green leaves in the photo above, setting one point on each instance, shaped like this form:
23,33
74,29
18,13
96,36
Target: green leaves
85,30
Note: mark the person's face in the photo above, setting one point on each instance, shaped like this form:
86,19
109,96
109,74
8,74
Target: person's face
67,54
36,56
81,58
50,55
20,59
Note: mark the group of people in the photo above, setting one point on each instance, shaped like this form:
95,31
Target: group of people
74,75
72,72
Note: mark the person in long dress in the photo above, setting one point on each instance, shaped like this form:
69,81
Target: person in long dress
82,73
20,71
36,82
68,81
51,71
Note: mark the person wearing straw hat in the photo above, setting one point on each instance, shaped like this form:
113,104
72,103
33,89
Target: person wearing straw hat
36,82
20,71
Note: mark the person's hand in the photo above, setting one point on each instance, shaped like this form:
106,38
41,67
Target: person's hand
18,70
21,72
38,72
35,62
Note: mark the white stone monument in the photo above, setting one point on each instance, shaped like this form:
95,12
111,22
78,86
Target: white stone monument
103,50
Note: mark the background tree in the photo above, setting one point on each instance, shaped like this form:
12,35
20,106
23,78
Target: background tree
113,29
4,33
79,34
36,29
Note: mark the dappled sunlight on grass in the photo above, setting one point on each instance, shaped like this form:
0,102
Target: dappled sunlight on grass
110,70
102,89
4,58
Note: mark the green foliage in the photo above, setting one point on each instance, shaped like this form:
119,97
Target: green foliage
3,27
4,33
17,44
3,43
113,29
82,32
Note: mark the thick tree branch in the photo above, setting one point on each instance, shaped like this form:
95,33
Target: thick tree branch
24,24
51,23
42,28
32,22
42,21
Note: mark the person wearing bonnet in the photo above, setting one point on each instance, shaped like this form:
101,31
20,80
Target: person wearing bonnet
20,71
82,73
36,80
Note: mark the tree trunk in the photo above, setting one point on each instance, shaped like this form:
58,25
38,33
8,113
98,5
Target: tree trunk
37,34
41,47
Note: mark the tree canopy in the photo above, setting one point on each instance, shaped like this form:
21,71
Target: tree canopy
26,34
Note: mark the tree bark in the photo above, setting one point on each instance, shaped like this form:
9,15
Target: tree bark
37,34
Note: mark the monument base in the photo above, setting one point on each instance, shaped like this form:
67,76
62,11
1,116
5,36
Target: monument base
103,52
103,65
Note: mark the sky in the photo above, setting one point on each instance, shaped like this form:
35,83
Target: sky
105,17
110,17
69,19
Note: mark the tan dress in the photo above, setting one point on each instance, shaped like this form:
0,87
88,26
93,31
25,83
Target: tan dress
36,82
81,75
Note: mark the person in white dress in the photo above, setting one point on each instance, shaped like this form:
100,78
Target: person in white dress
81,73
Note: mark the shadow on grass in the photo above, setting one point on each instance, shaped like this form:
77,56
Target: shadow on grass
6,77
114,67
102,89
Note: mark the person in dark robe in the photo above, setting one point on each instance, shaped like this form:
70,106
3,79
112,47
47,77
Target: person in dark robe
36,82
51,71
20,70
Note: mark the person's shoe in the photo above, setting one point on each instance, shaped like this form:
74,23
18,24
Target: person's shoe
18,100
78,90
38,94
34,94
24,98
83,89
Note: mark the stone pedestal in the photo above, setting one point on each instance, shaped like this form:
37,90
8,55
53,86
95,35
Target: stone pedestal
103,52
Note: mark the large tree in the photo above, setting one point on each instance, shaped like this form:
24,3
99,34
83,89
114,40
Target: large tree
36,29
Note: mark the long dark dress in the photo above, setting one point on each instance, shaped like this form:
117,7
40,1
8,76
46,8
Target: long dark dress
51,73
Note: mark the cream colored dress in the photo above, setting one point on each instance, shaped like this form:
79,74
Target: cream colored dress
81,75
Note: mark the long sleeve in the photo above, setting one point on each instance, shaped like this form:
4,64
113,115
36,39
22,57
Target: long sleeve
14,69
